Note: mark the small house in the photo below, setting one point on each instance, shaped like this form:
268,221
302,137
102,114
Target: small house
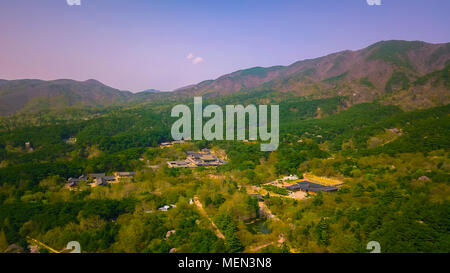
96,175
110,179
72,182
124,174
83,177
290,178
100,181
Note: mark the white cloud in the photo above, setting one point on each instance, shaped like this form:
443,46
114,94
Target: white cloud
197,60
194,59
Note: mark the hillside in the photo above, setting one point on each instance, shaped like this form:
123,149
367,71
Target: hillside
410,74
394,165
378,71
32,95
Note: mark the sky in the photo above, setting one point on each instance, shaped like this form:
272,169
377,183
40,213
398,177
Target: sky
167,44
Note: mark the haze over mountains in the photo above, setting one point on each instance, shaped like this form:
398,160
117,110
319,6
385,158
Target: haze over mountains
411,74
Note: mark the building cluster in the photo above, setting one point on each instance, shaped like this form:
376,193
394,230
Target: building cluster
296,186
285,181
197,159
171,143
289,178
99,179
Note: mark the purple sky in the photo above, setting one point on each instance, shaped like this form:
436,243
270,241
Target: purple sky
136,44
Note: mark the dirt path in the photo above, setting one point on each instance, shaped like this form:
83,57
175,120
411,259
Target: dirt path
267,211
43,245
258,248
203,212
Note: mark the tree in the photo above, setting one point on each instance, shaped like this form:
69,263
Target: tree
318,199
3,242
322,232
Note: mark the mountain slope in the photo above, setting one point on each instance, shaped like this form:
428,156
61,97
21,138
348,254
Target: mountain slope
364,75
31,95
409,74
430,90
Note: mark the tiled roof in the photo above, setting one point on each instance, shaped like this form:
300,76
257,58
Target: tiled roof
312,187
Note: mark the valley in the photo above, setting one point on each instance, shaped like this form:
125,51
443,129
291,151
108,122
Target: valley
364,133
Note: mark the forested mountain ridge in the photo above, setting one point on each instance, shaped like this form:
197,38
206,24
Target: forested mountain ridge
377,71
394,165
387,144
35,95
411,74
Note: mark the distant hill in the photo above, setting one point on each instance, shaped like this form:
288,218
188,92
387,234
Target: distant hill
151,91
411,74
31,95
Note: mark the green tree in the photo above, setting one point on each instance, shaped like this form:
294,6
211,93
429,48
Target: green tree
3,242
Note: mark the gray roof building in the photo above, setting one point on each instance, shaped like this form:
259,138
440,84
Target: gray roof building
100,181
125,174
96,175
307,186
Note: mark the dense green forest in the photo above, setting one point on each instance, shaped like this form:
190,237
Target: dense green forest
395,167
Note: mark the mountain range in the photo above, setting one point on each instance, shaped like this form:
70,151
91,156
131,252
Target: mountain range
412,74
